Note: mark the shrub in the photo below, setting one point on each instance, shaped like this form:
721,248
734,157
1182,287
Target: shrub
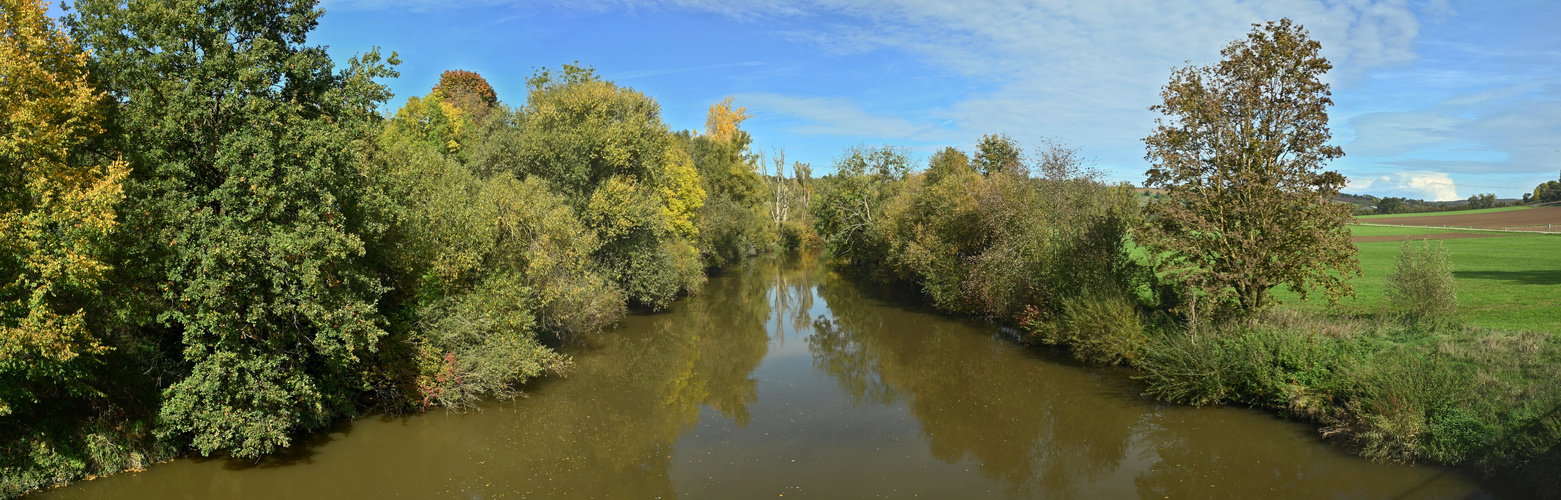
1422,287
1254,364
1099,328
1405,405
488,342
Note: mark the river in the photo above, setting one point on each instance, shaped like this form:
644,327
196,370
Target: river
783,380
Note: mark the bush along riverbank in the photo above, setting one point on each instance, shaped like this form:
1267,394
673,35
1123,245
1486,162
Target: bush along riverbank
1180,289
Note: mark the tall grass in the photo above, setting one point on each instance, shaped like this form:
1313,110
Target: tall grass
1396,391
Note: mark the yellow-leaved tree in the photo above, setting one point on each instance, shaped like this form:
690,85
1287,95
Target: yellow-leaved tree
722,121
682,192
56,212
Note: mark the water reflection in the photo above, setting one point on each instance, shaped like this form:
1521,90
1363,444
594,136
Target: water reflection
1018,422
1047,428
610,431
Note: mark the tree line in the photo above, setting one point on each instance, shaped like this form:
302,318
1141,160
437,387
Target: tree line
214,240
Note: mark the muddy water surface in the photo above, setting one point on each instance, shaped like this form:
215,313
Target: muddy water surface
783,381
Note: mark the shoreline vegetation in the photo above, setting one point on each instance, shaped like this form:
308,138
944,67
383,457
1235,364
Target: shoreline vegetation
219,247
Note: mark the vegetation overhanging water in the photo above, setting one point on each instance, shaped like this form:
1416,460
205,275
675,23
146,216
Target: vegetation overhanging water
785,379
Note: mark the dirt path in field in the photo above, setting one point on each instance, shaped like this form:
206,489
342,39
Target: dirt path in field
1494,220
1437,236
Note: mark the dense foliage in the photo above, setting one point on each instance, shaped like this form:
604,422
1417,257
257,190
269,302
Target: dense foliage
212,240
56,211
244,210
993,241
282,255
1241,156
1545,192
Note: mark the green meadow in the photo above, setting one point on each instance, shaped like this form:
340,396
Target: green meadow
1504,282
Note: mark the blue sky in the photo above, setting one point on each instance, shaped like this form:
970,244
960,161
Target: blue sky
1435,99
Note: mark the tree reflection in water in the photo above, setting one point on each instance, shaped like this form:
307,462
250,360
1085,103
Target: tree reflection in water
1019,422
608,429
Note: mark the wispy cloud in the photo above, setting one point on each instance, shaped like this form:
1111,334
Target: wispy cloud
1512,129
644,73
841,117
1085,72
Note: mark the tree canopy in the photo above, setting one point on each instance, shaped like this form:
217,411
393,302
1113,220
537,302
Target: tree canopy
56,208
1241,150
245,201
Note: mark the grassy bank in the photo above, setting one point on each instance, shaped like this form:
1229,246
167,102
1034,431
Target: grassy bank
1449,394
1475,390
1507,282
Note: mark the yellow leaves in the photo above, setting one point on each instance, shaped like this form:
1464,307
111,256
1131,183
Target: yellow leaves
54,222
722,121
682,192
431,118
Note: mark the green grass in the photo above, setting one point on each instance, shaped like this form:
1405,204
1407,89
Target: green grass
1511,282
1454,212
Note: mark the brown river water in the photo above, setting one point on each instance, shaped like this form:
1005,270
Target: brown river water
782,380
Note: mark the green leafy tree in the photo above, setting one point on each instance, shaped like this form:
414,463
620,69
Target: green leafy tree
605,148
998,153
56,212
1241,151
436,121
1545,192
244,208
850,214
1479,201
1391,205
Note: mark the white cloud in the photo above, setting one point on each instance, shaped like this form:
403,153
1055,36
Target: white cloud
1430,186
840,117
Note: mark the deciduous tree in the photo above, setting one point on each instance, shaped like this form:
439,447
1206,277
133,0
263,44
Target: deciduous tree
998,153
245,206
469,91
605,148
1241,151
56,210
722,122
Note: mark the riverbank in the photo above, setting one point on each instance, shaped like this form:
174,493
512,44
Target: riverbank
788,378
1055,255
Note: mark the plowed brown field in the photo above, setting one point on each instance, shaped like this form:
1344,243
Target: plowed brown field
1533,219
1437,236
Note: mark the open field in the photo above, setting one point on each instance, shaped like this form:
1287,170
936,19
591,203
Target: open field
1510,282
1524,219
1442,214
1429,236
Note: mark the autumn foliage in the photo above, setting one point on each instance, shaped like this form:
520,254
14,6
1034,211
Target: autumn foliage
56,211
468,90
1241,151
